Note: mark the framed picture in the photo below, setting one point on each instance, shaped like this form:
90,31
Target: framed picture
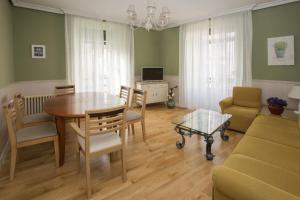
281,51
38,51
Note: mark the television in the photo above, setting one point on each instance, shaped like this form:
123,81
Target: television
152,74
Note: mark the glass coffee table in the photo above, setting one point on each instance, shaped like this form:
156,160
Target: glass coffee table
204,123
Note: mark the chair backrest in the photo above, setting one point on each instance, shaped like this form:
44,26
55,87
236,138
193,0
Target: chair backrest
105,121
64,89
19,101
125,93
11,117
247,97
139,100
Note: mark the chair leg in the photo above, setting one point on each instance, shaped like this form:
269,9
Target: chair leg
78,122
143,129
78,156
56,151
132,128
13,159
124,166
88,177
128,128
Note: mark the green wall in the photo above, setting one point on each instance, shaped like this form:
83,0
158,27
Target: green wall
6,44
170,50
154,48
157,48
41,28
146,49
274,22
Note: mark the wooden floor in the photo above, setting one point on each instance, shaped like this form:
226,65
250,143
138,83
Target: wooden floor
156,169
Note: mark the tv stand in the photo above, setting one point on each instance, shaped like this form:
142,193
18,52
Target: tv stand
157,91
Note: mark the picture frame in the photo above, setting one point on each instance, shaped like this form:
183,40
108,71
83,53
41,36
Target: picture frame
281,51
38,51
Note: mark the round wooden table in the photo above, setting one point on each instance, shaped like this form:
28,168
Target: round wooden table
74,106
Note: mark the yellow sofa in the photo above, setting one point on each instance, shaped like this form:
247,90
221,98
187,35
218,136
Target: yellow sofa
244,105
265,165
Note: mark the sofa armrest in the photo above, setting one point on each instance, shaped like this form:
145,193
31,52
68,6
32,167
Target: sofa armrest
225,103
237,185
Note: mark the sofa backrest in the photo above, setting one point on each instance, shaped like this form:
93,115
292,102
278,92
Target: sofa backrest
247,97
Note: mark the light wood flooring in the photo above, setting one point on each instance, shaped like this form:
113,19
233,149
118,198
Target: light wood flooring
156,169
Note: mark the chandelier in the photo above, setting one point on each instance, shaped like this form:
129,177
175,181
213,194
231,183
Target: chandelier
149,22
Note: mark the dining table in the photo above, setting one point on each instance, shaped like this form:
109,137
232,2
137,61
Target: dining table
73,106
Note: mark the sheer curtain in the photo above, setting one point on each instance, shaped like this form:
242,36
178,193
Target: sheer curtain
227,60
99,55
193,67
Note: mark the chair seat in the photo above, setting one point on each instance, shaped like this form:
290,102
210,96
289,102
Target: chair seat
36,132
132,115
101,142
43,117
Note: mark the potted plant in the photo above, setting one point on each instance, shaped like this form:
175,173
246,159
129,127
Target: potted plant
276,105
280,48
171,102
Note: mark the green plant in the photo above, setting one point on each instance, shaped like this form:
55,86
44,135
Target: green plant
280,45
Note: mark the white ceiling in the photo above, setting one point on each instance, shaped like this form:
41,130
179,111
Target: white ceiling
182,11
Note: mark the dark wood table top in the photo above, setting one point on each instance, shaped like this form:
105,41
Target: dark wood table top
75,105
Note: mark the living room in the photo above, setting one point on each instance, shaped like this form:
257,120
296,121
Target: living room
172,76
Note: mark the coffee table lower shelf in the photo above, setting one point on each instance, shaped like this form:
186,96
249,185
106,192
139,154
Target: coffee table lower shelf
184,131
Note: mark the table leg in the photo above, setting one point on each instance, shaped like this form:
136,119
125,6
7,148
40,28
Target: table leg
209,141
180,144
61,130
222,131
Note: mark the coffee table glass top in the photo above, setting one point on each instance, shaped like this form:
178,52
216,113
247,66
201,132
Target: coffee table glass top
202,120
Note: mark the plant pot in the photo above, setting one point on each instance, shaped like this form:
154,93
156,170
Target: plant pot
280,53
171,103
276,110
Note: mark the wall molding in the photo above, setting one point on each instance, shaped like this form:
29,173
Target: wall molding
20,3
33,6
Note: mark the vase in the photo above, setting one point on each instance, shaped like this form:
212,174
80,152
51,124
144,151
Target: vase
276,110
280,53
171,103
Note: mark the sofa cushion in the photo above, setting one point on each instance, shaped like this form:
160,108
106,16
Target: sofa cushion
247,97
242,111
266,172
282,156
242,117
281,135
239,186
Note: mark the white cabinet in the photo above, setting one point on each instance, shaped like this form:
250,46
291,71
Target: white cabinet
156,91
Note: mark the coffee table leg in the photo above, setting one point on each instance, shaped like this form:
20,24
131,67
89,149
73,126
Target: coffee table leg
180,144
209,141
60,126
222,131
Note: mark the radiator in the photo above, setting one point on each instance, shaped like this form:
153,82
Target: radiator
35,104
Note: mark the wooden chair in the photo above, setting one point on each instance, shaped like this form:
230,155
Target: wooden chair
65,89
125,94
22,137
104,134
137,111
28,120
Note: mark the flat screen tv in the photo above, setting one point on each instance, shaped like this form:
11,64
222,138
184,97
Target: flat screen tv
152,73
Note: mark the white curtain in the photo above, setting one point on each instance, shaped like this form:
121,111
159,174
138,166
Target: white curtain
193,70
224,62
99,55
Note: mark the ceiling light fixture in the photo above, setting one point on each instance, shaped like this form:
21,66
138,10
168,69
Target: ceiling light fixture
149,21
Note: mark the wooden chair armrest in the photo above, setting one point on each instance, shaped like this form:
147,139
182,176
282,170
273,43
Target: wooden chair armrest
78,131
